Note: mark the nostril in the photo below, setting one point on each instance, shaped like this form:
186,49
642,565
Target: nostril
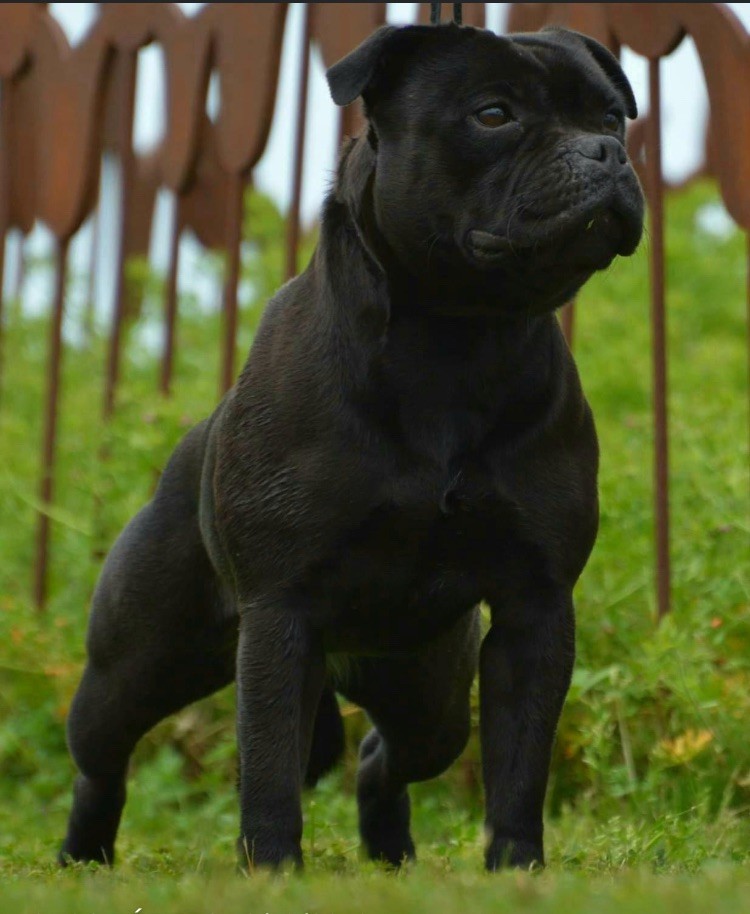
602,149
592,147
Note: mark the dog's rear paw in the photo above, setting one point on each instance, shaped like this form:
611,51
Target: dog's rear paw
392,848
384,827
383,816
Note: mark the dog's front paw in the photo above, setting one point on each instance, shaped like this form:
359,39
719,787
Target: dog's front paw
257,852
503,852
72,852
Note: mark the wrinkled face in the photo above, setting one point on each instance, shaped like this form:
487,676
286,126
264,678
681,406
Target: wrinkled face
501,164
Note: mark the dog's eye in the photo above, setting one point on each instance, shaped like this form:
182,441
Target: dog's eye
495,116
612,121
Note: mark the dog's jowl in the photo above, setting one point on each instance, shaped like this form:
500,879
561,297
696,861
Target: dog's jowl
408,438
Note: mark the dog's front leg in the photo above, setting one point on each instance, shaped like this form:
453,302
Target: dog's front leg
280,675
525,670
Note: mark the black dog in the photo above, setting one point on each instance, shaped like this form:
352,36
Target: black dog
408,438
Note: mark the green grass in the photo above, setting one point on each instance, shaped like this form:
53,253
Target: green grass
432,888
648,800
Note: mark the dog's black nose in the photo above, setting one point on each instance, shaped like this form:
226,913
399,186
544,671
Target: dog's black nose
606,149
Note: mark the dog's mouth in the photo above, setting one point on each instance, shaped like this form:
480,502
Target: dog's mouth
583,240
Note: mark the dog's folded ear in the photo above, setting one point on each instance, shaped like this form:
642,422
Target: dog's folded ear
358,72
606,60
611,67
348,78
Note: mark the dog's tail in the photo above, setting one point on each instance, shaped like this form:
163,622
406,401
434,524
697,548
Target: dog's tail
327,740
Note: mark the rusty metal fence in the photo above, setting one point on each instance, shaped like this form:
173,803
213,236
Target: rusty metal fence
63,107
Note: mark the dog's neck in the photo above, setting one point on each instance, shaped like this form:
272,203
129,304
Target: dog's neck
406,289
350,220
404,328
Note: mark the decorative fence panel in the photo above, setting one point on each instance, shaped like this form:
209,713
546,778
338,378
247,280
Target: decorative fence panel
64,107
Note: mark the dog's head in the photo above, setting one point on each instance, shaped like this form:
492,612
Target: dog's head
499,162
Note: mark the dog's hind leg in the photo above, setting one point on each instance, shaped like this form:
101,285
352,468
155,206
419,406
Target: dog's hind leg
420,707
327,745
115,705
160,636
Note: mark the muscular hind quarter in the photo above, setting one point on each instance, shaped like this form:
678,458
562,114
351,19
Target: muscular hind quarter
161,635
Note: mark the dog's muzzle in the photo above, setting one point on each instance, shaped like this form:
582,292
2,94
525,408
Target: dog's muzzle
585,208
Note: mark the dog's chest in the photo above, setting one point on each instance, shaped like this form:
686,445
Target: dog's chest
416,563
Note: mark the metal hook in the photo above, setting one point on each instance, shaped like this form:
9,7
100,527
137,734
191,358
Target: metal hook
435,9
